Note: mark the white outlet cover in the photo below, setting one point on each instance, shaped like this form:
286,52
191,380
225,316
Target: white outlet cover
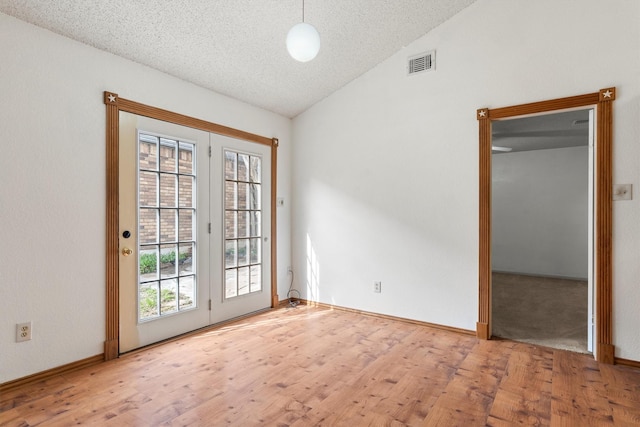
23,331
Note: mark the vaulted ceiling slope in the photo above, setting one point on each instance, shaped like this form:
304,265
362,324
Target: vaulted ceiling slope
237,47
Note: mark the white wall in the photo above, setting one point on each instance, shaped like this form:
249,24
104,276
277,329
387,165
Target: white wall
540,212
385,170
52,186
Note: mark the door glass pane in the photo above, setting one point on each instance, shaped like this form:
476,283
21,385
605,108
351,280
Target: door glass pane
148,263
256,224
185,191
185,159
185,259
243,167
148,152
166,226
256,248
168,148
243,252
256,172
148,188
243,280
231,283
167,190
230,253
186,230
230,165
242,229
187,292
243,196
243,204
168,296
231,195
148,226
168,267
254,197
148,302
256,278
230,224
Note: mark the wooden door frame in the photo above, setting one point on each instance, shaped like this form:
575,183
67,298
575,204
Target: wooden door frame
115,104
602,101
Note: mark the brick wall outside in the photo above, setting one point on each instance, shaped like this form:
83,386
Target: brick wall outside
151,180
239,206
169,184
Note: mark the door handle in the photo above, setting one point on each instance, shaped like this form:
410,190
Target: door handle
126,251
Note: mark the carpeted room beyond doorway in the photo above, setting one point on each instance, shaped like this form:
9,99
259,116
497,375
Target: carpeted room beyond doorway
540,310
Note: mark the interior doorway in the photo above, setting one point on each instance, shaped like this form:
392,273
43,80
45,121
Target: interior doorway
602,103
542,240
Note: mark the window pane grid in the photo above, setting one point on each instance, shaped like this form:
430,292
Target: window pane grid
242,201
166,226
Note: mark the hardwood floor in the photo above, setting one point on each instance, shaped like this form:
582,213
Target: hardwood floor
318,367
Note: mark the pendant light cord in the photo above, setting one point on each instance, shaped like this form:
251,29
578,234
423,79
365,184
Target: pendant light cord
302,10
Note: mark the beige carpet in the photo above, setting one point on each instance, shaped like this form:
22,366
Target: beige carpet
540,310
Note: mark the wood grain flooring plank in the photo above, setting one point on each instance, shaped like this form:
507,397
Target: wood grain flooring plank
524,397
469,394
622,385
18,397
313,366
578,394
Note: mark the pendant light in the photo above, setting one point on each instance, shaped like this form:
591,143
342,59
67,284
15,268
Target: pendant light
303,41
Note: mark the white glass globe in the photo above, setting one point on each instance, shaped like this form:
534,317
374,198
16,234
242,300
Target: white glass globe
303,42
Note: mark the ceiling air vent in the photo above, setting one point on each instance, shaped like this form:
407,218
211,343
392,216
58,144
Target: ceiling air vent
420,63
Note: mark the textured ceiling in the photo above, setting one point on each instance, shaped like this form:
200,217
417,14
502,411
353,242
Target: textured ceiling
237,47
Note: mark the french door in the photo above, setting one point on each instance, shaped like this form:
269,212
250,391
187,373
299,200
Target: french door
194,229
242,273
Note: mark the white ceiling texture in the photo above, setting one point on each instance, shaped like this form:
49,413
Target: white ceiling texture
237,47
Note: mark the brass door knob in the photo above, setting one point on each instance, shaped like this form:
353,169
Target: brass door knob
126,251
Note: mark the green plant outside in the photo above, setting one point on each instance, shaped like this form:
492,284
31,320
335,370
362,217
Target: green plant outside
148,262
148,301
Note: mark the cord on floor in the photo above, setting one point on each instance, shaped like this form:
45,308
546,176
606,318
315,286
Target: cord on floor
293,302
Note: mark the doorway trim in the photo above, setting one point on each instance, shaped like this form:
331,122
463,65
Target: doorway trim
115,104
603,103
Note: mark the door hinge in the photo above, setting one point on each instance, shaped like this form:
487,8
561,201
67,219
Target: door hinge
209,305
209,228
209,151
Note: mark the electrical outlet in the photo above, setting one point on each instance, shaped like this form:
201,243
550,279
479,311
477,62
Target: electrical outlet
23,331
377,287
